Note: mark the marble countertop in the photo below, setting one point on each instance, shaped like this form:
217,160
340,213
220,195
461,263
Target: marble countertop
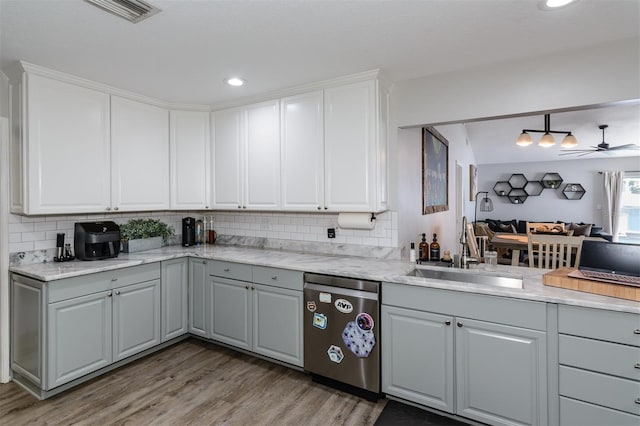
355,267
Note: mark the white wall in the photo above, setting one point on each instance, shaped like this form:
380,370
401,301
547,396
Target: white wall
411,222
551,205
596,75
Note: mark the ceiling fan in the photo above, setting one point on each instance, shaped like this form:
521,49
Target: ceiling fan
601,147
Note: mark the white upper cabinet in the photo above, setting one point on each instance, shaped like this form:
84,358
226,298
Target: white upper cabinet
139,156
246,157
63,148
352,139
262,156
228,135
302,147
190,157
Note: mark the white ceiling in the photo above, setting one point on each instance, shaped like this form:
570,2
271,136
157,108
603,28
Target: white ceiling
183,53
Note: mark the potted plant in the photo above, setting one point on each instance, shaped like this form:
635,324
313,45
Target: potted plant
144,234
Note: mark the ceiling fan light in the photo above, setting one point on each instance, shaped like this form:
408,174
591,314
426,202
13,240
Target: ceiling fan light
524,139
569,141
547,140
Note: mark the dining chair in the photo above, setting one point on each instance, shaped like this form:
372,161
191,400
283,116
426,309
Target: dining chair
533,227
554,251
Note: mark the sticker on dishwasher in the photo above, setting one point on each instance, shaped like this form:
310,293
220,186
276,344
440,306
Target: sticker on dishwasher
360,342
325,297
320,321
335,354
343,306
311,306
364,321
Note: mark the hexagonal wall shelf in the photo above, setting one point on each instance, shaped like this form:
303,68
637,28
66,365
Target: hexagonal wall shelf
517,181
502,188
533,188
573,191
551,180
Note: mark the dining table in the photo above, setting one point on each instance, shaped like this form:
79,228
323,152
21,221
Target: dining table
518,242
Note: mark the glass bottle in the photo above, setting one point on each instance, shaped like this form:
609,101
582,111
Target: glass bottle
434,249
423,249
199,232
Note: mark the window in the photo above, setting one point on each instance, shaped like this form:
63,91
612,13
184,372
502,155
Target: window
630,218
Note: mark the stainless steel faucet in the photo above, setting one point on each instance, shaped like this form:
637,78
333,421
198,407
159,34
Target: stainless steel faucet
465,259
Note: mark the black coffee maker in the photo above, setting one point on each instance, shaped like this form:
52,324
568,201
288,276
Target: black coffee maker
188,231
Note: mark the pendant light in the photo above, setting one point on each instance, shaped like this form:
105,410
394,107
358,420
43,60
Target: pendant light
547,140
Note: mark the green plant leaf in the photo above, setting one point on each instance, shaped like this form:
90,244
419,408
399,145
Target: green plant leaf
137,229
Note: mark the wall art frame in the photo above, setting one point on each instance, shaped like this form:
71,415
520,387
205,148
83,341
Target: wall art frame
473,182
435,171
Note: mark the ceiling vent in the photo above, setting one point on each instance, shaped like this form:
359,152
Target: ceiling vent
131,10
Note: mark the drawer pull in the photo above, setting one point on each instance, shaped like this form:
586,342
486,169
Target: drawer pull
226,269
459,324
275,278
637,400
109,294
447,322
114,279
637,365
636,331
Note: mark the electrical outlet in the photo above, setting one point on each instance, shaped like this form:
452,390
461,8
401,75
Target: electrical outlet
331,232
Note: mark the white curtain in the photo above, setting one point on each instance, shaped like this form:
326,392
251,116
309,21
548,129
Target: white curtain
612,202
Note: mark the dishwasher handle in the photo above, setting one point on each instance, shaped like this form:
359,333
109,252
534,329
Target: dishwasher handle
369,295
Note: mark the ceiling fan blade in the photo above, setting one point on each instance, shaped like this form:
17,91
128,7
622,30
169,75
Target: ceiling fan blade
627,146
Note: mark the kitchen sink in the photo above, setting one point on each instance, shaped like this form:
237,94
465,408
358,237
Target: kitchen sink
473,276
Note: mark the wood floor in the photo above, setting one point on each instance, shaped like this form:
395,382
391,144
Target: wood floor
197,383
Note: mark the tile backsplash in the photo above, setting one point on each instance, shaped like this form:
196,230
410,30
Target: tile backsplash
38,233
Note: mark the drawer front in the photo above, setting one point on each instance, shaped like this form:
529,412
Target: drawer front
574,412
618,327
603,357
501,310
276,277
608,391
88,284
231,270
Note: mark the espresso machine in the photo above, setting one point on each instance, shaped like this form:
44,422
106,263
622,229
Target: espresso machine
188,231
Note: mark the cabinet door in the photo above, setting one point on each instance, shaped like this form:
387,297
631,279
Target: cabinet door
139,155
349,143
277,323
198,297
190,159
262,156
67,150
302,124
136,318
227,150
501,373
417,357
79,337
231,312
174,283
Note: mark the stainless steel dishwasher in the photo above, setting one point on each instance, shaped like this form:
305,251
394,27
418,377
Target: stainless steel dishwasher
342,333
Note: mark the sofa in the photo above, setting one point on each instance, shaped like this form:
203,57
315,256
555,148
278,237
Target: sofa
519,226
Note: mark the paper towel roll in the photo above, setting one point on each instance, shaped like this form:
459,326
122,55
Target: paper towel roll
356,221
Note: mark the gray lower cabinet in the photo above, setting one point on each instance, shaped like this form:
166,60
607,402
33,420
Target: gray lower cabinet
65,329
257,309
174,283
198,297
599,372
491,368
80,337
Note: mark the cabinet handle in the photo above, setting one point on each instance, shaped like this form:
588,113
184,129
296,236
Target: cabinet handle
247,287
116,208
239,207
447,322
204,262
636,331
206,207
637,400
459,324
326,208
108,208
117,293
319,208
109,294
244,207
252,288
114,279
226,269
275,278
637,365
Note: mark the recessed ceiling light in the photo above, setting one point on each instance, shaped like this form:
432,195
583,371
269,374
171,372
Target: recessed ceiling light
555,4
234,81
